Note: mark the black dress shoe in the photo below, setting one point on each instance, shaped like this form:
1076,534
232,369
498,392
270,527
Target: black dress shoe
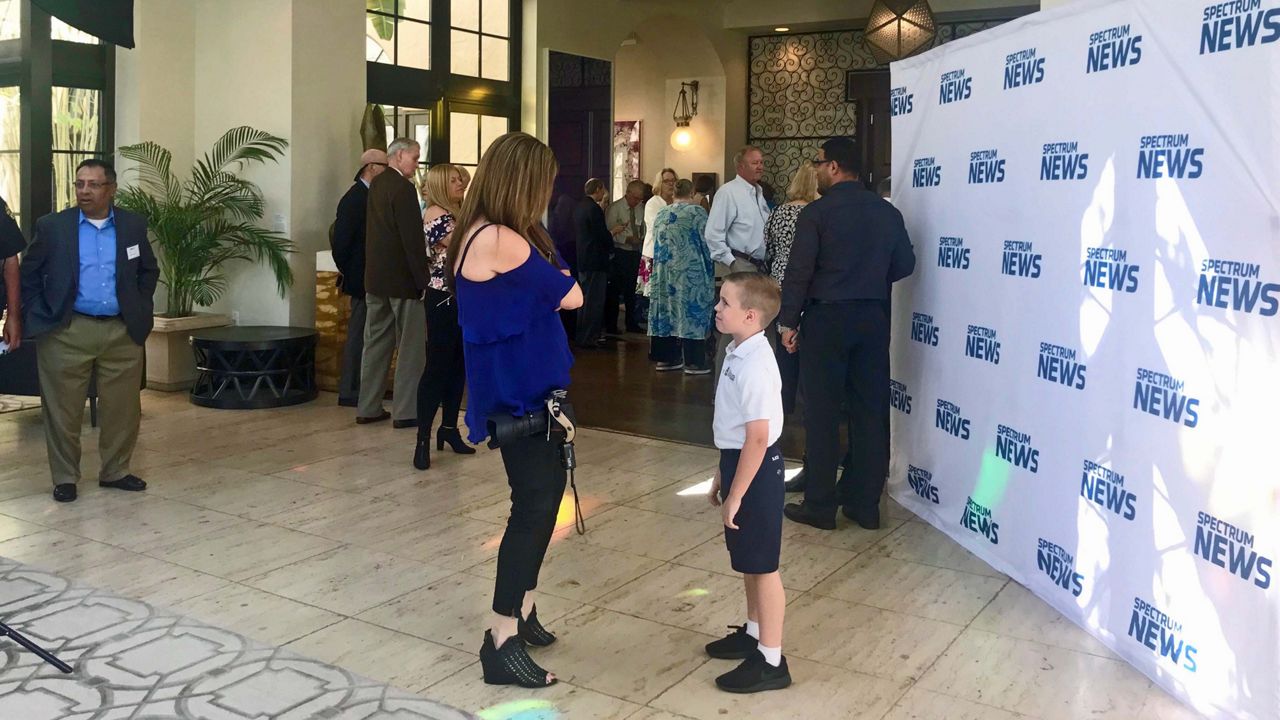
345,402
66,492
737,645
867,519
384,415
402,424
796,484
808,515
132,483
754,675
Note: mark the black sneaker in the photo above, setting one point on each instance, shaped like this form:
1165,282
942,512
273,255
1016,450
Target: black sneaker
754,675
737,645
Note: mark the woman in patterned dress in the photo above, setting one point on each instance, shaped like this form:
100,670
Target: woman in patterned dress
682,289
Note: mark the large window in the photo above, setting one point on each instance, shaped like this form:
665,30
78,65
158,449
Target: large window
480,38
76,137
445,72
398,32
56,108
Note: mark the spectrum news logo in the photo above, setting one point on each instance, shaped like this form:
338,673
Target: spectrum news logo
1063,161
1161,634
1232,549
982,343
921,482
952,253
1234,285
1236,25
1105,488
899,397
1020,259
1169,156
1015,448
1059,364
1023,68
901,102
1165,396
954,86
1110,269
986,167
1060,566
926,172
979,519
1113,48
948,418
923,329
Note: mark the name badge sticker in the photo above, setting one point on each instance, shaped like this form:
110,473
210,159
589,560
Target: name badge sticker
132,252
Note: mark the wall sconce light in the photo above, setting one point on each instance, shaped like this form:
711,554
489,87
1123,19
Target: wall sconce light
686,109
899,28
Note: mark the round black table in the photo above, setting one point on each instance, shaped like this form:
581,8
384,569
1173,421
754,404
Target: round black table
254,366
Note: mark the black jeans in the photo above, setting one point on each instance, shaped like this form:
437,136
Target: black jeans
537,482
693,353
845,347
622,288
445,375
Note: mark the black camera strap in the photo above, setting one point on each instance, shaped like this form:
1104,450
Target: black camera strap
568,459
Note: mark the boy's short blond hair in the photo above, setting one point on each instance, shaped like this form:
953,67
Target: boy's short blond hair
759,292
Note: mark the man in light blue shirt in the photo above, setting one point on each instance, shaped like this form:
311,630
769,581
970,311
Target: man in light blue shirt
96,292
735,227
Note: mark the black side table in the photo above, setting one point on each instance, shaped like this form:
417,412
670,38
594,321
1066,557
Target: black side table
253,367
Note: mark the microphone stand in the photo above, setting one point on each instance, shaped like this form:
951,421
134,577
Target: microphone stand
40,652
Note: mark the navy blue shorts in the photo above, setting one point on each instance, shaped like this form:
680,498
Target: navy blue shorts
755,547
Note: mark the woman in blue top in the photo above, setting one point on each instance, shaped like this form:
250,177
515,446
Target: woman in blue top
510,285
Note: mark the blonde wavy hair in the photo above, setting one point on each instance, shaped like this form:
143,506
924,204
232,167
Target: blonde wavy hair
435,187
804,184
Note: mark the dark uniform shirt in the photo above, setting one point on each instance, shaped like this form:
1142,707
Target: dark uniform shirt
850,245
11,243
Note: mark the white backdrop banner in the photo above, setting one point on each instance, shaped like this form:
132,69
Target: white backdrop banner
1086,363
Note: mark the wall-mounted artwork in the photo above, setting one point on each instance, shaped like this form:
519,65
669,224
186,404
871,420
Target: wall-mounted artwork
626,155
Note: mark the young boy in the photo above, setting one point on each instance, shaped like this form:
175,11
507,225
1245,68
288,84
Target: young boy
749,482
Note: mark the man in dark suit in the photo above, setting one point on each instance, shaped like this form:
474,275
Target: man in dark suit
395,278
849,249
347,244
87,284
595,253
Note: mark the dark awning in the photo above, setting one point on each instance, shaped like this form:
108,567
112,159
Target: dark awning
108,20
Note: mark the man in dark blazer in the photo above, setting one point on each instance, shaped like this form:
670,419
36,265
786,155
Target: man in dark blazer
395,278
88,278
595,253
347,243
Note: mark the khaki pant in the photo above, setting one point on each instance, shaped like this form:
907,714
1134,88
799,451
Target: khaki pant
397,324
65,359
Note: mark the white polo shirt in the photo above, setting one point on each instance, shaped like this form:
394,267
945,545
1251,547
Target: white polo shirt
749,388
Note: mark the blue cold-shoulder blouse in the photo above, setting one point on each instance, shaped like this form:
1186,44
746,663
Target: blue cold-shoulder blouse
514,344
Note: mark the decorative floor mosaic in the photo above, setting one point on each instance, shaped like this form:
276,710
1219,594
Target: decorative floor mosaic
135,661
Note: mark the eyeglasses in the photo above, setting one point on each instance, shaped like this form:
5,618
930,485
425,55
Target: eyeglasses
91,184
819,161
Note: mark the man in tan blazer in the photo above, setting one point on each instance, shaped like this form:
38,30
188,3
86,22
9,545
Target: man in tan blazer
395,277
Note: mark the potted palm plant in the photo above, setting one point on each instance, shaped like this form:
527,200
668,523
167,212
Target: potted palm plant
197,226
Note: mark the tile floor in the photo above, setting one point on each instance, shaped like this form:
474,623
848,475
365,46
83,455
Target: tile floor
297,528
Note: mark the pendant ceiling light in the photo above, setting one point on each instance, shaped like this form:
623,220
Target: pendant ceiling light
899,28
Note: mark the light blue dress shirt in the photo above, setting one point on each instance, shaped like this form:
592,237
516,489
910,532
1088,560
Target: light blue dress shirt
96,294
738,216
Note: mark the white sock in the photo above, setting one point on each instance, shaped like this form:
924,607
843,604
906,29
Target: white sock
773,656
753,629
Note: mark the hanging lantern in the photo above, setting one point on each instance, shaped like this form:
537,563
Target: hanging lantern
899,28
